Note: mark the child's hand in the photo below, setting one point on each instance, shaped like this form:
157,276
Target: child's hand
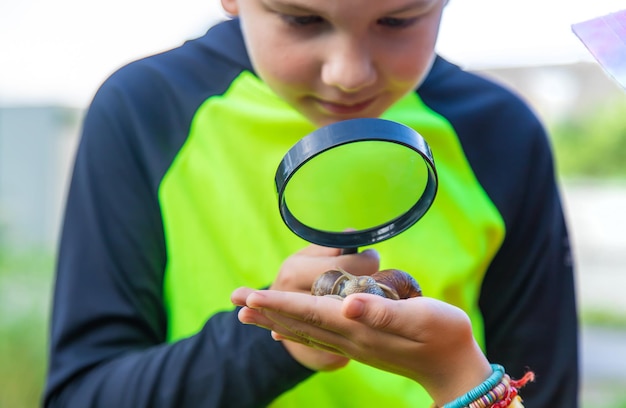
297,274
420,338
314,359
300,270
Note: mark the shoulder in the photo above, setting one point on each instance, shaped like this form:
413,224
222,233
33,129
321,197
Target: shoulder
159,95
488,118
146,107
184,76
503,140
463,96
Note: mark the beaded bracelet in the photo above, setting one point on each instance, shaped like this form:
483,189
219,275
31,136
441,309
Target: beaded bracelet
512,399
479,391
498,393
501,392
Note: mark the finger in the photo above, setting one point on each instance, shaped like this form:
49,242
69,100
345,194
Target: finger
254,317
345,337
386,315
287,328
302,314
239,295
318,250
411,318
306,342
292,303
319,321
299,271
363,263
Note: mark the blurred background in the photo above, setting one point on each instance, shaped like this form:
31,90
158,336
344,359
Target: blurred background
54,55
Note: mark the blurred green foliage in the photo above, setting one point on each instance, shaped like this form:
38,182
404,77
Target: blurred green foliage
592,316
603,394
25,285
592,145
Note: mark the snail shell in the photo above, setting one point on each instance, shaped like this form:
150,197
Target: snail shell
328,283
341,283
389,283
397,284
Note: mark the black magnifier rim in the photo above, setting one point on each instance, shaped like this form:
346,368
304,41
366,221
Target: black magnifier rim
341,133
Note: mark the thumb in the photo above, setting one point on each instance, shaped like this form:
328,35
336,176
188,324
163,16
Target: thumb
371,310
389,315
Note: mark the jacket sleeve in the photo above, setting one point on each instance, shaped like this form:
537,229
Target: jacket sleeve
527,297
108,326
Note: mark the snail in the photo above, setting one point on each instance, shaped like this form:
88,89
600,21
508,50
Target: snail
389,283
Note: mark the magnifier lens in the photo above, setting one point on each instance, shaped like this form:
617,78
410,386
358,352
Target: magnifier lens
356,186
356,182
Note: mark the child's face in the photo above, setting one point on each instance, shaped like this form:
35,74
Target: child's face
340,59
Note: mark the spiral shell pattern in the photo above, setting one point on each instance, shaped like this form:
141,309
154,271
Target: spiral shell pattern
390,283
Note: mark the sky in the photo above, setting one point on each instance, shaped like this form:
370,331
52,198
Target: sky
59,51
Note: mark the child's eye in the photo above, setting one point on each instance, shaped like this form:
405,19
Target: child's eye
393,22
302,21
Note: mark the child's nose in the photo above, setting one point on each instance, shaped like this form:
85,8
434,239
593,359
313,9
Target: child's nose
349,67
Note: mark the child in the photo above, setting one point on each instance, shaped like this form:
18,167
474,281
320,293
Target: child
172,215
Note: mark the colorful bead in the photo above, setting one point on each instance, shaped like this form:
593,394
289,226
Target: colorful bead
479,391
498,391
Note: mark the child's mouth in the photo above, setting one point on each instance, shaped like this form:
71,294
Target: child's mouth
345,108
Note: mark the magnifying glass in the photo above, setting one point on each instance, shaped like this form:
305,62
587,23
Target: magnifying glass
355,183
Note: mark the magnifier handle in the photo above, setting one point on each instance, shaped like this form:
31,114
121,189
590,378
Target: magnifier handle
348,251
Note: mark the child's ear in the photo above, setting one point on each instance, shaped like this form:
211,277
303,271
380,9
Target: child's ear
230,7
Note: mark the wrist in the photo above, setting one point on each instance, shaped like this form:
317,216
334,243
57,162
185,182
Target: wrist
497,391
465,373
